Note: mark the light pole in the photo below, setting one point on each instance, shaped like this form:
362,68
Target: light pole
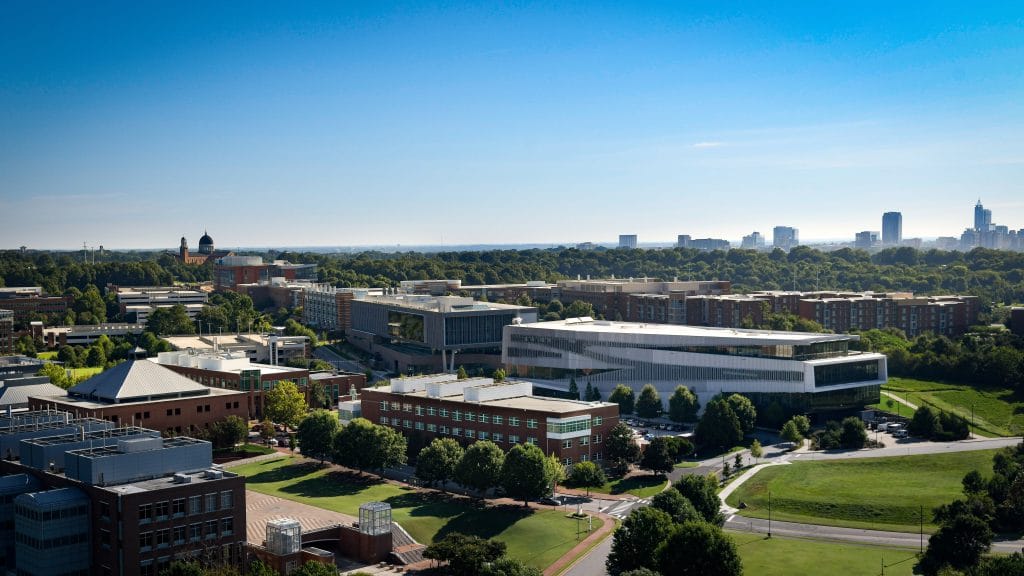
769,513
972,420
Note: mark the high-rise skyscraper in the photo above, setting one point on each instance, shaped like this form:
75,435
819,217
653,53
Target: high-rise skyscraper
627,240
892,228
982,218
785,237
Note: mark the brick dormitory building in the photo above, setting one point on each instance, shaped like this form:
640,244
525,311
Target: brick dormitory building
505,413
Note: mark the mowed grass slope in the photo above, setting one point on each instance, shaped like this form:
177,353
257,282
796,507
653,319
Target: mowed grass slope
786,556
996,411
873,493
537,538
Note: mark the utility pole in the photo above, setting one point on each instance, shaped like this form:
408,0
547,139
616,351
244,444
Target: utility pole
921,548
769,513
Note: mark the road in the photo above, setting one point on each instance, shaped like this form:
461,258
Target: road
341,363
593,562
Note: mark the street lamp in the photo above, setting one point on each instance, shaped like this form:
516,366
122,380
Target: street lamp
769,513
972,419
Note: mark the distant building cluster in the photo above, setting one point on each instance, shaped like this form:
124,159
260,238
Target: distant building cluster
987,234
206,254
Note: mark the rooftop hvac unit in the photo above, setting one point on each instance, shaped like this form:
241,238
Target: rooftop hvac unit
180,478
213,474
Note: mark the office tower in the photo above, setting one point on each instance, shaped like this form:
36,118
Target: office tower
982,217
892,228
785,237
627,240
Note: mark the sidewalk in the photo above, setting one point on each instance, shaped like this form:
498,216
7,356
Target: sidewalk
576,552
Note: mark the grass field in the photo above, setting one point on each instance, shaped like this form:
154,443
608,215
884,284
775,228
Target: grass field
537,538
88,372
245,449
642,486
875,493
785,556
46,355
996,411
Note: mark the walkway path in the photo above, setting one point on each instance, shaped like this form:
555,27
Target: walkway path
569,559
900,400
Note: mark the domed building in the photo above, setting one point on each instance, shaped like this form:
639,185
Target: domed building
207,252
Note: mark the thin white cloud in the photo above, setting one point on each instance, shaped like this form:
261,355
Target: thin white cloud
709,145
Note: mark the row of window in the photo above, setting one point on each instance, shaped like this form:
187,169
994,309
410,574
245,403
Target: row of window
161,510
177,535
49,543
48,515
496,437
483,418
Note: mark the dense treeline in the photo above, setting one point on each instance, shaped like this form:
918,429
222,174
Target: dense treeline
993,275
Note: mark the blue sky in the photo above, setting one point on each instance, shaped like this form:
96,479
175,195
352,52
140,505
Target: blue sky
129,124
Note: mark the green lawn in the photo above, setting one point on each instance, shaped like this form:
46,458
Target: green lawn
87,372
996,411
785,556
46,355
246,449
875,493
537,538
642,486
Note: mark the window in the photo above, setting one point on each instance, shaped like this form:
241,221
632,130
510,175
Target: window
499,420
457,415
163,538
195,532
162,510
470,433
597,456
483,435
513,439
211,502
177,411
179,535
566,443
513,421
419,425
406,423
444,412
145,541
598,420
394,422
383,405
169,411
227,499
431,427
419,410
211,529
407,407
470,417
485,418
498,438
444,429
178,507
567,462
145,513
585,441
195,505
531,422
531,440
584,458
384,420
199,409
227,526
105,510
597,438
431,411
456,431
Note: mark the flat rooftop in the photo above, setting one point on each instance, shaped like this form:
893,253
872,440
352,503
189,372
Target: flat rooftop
588,325
536,403
442,304
162,483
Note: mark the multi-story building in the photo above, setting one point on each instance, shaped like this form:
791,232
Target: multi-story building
140,392
120,501
801,372
785,237
704,244
892,228
627,240
137,303
29,303
753,241
982,218
611,298
271,348
15,392
505,413
17,366
253,379
330,308
206,254
87,334
867,240
231,271
420,333
6,332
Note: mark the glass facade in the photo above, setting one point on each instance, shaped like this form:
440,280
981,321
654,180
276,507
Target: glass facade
846,373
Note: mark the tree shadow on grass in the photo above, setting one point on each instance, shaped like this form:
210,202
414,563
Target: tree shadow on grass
330,485
282,474
484,523
420,504
638,482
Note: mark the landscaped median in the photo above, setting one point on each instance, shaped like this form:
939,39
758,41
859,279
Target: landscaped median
786,556
535,537
870,493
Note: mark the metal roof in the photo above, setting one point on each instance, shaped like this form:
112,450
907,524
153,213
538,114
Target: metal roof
137,380
15,394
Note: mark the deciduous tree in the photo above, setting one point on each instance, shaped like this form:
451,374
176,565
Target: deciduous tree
284,404
635,541
316,434
587,475
623,396
719,427
648,404
620,449
744,410
698,549
702,492
437,462
526,474
480,466
683,405
658,457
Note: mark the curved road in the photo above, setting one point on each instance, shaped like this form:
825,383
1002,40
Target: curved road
593,562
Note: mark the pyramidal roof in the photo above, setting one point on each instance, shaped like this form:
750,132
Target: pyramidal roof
137,380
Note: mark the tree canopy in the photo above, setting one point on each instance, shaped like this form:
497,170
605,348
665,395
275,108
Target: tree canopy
316,434
648,404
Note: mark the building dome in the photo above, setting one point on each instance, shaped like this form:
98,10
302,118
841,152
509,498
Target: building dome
205,244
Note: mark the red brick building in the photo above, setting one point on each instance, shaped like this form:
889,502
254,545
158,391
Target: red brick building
505,413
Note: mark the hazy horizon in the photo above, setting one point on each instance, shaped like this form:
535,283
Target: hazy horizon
326,124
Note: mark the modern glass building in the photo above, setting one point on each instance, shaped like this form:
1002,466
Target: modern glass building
801,372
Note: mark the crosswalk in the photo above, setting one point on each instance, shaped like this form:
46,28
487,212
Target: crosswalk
622,508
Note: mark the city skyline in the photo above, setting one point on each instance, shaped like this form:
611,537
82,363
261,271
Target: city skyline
129,126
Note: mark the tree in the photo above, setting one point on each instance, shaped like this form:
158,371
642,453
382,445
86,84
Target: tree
678,507
791,433
480,466
925,423
574,390
700,549
702,492
284,404
352,444
658,457
595,396
587,475
228,432
465,555
180,568
318,395
96,357
388,448
526,474
588,393
719,427
57,375
623,396
744,410
853,436
620,449
315,569
648,405
579,309
316,434
635,541
506,566
958,544
438,461
755,449
266,430
640,572
682,405
499,375
461,374
803,424
173,320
